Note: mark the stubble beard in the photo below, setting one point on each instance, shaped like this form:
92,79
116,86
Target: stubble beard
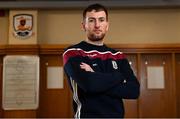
95,38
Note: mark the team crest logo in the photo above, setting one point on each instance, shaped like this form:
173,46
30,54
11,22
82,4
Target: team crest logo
115,66
23,25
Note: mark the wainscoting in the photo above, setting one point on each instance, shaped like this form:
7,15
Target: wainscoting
158,98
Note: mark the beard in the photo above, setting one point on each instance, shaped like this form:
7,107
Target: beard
93,37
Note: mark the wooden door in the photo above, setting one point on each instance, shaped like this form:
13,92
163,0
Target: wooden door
131,106
157,102
177,67
54,103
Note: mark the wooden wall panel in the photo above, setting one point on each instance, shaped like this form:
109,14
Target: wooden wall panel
131,106
58,102
12,113
17,50
54,103
157,103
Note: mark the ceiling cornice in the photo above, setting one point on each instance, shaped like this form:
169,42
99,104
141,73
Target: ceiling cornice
78,4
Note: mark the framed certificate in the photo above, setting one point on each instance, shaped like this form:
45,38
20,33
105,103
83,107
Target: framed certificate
20,82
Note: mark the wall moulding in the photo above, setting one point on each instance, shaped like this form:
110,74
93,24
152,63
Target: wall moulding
59,49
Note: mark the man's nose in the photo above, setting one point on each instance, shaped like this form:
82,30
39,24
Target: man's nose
97,24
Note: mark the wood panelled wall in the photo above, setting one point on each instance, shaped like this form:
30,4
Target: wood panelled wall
151,103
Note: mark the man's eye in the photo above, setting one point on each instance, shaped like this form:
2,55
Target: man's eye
102,20
91,20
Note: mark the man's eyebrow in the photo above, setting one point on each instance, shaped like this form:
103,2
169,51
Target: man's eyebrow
97,18
91,18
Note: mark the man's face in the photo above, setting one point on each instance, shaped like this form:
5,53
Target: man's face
95,25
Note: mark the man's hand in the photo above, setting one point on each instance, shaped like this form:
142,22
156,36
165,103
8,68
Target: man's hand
86,67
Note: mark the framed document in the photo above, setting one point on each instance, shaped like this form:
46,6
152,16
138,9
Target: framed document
155,77
20,82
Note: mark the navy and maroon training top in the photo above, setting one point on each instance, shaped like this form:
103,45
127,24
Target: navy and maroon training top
99,93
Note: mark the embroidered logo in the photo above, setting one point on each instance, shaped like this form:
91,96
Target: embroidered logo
114,64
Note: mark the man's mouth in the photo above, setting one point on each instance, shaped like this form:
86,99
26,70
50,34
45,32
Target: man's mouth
97,31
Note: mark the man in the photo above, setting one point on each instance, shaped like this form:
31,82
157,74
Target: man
100,77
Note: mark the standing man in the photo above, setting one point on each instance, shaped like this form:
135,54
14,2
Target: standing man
99,76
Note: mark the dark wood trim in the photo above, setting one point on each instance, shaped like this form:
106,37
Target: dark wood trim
22,49
59,48
2,48
147,48
52,49
126,48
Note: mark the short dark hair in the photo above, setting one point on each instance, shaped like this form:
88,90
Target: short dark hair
97,7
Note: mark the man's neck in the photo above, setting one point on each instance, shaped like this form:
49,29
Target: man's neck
98,43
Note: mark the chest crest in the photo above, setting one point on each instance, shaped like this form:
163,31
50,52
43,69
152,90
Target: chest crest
114,64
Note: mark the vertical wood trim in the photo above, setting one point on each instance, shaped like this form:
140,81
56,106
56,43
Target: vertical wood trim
1,72
174,82
139,77
177,84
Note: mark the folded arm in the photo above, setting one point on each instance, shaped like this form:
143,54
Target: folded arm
130,87
89,81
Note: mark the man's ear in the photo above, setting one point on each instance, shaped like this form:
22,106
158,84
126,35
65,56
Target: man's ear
107,28
83,26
